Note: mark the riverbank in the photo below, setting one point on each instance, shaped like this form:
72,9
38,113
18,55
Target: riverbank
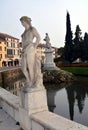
81,71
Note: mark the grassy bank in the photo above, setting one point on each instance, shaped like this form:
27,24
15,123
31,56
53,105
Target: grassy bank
77,70
82,79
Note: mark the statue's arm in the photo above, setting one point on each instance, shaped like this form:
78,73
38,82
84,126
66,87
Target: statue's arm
36,34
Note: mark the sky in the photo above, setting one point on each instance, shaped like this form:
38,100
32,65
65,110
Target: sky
48,16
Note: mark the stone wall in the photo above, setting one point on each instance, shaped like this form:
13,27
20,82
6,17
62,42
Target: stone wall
9,103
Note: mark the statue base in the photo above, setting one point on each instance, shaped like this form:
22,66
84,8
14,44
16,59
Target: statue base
49,63
46,67
32,100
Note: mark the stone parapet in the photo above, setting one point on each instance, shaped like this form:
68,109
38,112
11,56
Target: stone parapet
50,121
9,103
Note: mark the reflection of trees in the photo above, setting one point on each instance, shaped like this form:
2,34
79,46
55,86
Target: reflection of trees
80,96
71,100
51,92
76,92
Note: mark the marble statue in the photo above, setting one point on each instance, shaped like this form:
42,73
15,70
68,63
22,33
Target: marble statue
47,39
49,63
31,66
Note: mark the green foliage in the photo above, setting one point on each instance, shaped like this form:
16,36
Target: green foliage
67,55
78,44
60,51
85,48
76,70
82,78
77,47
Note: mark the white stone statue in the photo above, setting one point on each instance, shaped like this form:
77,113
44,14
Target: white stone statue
31,66
47,39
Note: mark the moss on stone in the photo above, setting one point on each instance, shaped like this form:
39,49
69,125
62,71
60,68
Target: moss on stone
57,76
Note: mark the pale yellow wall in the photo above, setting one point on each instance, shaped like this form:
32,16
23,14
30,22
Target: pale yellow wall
12,44
3,52
41,53
16,48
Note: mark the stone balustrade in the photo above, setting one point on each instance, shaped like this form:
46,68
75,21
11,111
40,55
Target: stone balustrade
9,103
43,120
50,121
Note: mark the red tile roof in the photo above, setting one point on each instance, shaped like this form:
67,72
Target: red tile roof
3,35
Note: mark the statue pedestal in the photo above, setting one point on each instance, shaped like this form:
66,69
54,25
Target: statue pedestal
49,63
31,102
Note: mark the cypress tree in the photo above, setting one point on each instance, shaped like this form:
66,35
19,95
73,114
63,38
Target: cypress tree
78,43
68,40
85,48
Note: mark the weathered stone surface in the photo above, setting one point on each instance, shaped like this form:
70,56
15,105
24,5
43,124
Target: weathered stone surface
51,121
9,103
31,102
6,122
57,76
31,65
49,63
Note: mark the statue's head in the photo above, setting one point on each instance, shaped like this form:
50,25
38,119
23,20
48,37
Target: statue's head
47,34
25,21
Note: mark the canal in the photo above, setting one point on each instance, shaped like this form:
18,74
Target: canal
69,100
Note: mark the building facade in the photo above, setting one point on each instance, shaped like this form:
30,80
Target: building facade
3,53
41,53
10,51
12,57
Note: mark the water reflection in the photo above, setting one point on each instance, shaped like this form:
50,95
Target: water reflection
68,100
14,87
51,93
76,93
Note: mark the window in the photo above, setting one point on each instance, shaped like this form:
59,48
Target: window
0,56
5,55
11,44
9,51
13,40
0,48
13,52
18,52
5,49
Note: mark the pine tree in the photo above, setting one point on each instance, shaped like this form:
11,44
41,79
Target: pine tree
68,40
